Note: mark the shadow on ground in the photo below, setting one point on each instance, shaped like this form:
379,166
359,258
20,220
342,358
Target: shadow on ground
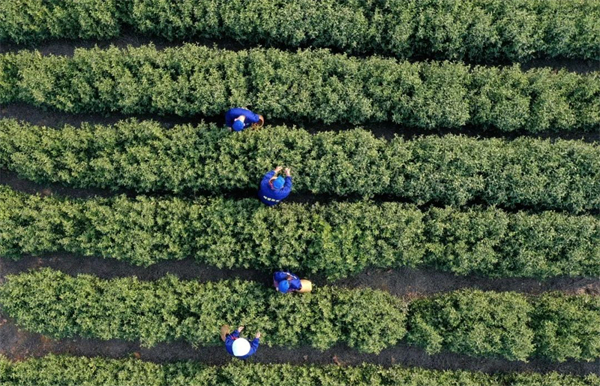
401,282
18,345
387,130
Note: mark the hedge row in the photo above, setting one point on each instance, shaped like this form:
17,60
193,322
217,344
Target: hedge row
77,371
30,21
475,30
169,309
554,325
334,239
453,170
311,85
471,322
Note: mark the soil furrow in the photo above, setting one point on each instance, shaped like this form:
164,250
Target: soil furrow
57,119
67,47
401,282
12,180
17,345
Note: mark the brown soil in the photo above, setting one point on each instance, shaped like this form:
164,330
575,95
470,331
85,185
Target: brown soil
51,118
66,47
18,344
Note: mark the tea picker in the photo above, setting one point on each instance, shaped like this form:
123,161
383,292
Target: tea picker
239,119
274,188
286,282
236,346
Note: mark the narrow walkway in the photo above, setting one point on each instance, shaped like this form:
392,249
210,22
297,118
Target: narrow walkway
401,282
67,47
12,180
52,118
18,345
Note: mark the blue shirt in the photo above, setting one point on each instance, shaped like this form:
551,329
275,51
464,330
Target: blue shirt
230,338
235,112
270,196
295,283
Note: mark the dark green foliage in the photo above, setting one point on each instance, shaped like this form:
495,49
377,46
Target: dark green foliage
168,309
474,30
29,21
473,322
77,371
309,85
336,239
501,244
568,326
453,170
553,325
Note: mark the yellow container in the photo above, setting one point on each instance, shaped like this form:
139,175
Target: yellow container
306,286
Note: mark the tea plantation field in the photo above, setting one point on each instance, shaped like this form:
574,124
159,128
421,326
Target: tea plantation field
445,158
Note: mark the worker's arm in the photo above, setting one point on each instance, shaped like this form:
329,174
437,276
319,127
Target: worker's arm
252,118
295,285
229,339
287,187
266,178
254,346
228,119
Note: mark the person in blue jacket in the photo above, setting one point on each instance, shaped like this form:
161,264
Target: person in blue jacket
275,188
285,282
239,119
236,346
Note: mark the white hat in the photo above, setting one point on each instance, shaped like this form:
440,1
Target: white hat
240,347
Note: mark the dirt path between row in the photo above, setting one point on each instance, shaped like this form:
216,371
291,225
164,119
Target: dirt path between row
386,130
401,282
12,180
67,47
18,344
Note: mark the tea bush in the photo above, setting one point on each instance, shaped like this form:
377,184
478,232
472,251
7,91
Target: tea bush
336,239
307,85
76,371
474,30
30,21
169,309
472,322
568,327
452,170
554,325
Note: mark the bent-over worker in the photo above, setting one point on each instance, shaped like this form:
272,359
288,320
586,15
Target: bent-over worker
275,188
236,346
285,282
239,119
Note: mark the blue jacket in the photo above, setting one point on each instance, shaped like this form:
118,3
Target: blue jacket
272,197
230,338
295,283
235,112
